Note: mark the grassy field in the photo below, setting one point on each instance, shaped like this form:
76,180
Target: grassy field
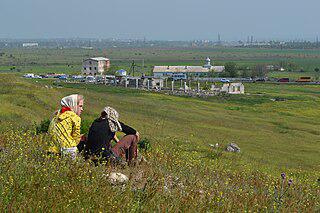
183,173
70,60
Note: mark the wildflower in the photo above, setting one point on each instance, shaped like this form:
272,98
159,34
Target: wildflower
290,182
283,175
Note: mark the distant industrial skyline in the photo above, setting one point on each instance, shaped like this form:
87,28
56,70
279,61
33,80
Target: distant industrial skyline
219,39
179,20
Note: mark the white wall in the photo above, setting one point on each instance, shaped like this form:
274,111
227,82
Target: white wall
90,67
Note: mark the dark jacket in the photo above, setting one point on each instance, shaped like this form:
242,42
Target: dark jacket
100,136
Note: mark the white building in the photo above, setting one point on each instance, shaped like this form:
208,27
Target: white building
94,66
30,44
196,71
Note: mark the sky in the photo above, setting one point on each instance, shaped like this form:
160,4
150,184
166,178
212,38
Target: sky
160,19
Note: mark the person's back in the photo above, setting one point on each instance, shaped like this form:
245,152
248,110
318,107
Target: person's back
64,130
65,126
99,137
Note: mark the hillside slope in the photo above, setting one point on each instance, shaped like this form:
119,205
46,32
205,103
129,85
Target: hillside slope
274,136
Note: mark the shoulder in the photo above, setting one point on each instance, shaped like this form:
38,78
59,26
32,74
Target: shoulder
73,116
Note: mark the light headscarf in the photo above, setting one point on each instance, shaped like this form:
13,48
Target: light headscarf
71,101
112,118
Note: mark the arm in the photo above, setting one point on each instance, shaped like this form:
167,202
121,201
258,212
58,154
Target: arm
127,129
76,129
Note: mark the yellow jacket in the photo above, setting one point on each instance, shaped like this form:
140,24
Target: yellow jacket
65,131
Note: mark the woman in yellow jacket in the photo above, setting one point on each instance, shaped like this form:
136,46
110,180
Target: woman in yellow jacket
65,126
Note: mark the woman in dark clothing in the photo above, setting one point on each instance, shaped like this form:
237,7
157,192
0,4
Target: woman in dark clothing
103,130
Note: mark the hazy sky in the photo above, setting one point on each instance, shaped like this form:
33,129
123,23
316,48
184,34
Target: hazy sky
160,19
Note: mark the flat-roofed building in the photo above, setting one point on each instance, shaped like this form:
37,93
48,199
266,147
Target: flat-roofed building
94,66
196,71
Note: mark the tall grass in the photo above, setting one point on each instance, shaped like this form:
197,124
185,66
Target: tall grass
33,181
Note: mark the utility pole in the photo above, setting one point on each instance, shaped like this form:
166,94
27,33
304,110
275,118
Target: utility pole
132,66
142,65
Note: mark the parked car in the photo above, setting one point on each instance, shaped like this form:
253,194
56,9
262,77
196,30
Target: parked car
77,77
283,80
249,80
90,79
260,80
224,80
304,79
29,75
63,77
100,78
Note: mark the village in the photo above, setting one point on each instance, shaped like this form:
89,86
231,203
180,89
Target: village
186,80
175,80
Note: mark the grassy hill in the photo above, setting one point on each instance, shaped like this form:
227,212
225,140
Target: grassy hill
184,173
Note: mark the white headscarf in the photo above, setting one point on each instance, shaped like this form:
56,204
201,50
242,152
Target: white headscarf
71,101
112,117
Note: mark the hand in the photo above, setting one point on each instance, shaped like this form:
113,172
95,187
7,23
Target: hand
138,135
116,138
83,137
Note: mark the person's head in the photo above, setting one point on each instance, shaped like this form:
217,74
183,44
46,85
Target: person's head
112,116
109,112
74,102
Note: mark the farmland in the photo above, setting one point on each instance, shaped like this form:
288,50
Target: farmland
183,172
69,60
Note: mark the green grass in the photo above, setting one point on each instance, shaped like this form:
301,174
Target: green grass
274,137
253,120
70,60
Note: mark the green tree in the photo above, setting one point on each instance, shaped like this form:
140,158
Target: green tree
246,74
112,70
292,66
231,69
259,70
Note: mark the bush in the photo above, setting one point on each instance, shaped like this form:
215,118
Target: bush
144,145
85,125
43,126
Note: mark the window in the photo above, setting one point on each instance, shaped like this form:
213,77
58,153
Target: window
89,68
85,68
95,68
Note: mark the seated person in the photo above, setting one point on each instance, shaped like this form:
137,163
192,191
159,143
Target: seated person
65,127
103,130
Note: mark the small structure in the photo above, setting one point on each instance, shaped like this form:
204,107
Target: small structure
94,66
121,73
135,82
154,83
233,88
